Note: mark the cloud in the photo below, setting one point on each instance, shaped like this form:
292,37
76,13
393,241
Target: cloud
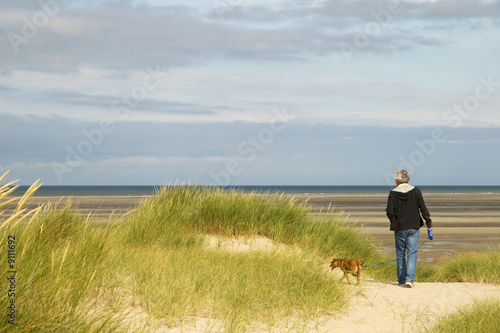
454,10
75,98
362,79
12,166
6,88
158,152
138,36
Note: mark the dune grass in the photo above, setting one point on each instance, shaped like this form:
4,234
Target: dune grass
153,268
473,266
238,289
59,263
266,287
481,316
178,214
481,267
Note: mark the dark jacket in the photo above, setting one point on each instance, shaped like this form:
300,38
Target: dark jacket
406,207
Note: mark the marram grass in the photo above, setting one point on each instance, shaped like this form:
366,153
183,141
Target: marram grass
178,213
235,288
152,269
60,264
481,267
479,317
475,267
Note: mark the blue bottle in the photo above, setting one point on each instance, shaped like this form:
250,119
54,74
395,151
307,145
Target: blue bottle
430,233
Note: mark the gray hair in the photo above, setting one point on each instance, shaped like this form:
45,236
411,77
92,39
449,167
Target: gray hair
402,176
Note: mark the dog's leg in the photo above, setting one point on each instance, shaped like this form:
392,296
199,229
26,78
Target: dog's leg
358,273
343,276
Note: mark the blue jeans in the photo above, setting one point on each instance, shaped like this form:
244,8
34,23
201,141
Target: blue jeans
406,244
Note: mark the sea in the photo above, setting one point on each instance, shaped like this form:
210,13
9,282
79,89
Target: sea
147,190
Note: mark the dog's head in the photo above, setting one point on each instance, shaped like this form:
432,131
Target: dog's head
336,263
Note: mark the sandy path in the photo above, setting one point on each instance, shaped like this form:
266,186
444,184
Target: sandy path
381,307
384,307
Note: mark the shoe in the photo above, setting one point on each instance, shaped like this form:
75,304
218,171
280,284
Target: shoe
408,284
402,285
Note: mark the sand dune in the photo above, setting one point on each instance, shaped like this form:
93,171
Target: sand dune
374,306
381,307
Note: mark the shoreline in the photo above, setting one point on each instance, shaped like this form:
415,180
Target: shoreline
461,222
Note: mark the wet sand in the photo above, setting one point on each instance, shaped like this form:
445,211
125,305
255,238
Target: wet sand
460,222
100,208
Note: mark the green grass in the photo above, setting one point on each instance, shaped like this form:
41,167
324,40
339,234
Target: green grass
152,268
266,287
479,267
177,215
60,261
236,288
482,316
186,210
473,267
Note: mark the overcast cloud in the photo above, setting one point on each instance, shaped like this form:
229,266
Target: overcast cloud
249,92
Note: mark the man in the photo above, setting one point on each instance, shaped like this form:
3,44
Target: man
405,209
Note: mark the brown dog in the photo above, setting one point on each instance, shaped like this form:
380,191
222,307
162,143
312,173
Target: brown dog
352,266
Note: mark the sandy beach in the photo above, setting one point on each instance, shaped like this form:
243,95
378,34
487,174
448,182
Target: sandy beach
387,308
382,308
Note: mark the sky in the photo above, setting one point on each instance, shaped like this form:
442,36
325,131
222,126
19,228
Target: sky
250,92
